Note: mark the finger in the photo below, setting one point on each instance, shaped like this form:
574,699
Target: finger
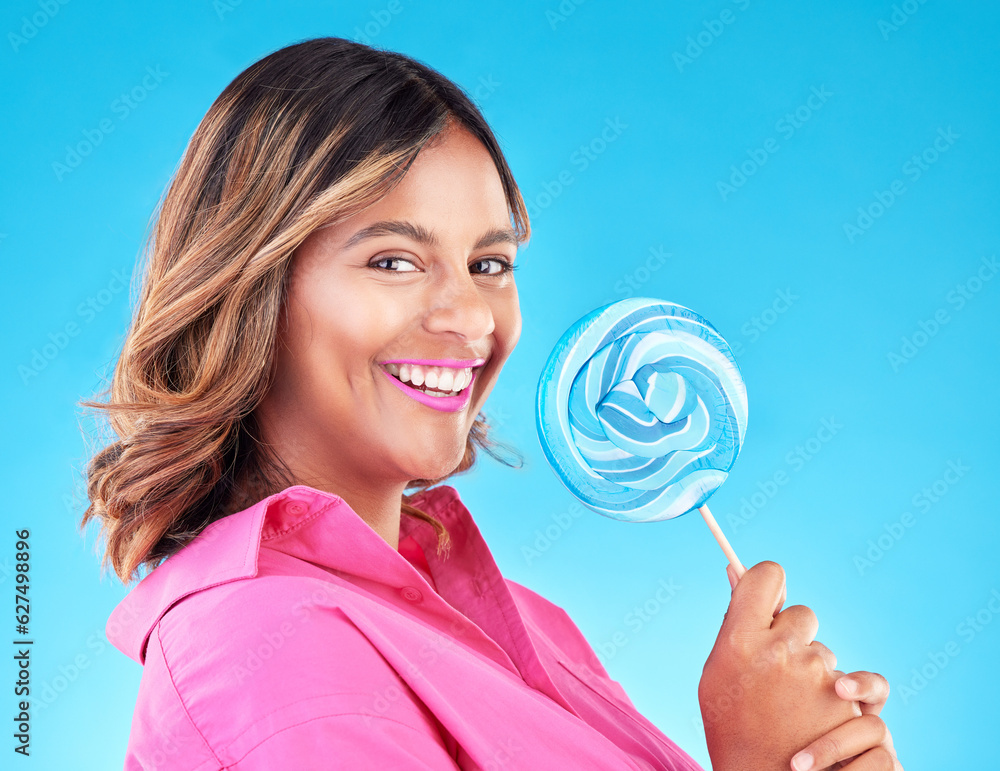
877,759
757,598
855,737
855,708
826,654
798,622
870,689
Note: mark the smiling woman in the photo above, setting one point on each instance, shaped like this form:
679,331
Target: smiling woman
328,301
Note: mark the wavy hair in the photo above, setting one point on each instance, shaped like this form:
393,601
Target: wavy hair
307,136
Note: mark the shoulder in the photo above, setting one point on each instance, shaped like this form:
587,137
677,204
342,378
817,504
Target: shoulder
226,633
275,656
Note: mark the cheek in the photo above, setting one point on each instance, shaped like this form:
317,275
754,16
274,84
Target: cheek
507,317
335,328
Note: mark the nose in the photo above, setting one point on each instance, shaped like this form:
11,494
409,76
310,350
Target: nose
458,305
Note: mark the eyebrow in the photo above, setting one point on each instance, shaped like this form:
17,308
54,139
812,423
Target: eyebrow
423,236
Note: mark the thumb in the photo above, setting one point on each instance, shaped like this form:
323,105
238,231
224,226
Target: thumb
757,598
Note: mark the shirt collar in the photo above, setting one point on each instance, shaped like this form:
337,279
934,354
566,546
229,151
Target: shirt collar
227,549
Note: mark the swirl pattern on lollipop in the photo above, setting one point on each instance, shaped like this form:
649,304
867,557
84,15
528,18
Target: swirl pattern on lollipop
642,410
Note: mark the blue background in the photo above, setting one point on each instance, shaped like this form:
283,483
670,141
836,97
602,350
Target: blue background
874,311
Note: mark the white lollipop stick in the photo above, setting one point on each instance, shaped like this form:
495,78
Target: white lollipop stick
723,542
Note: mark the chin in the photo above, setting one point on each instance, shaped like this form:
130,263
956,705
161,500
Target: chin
437,470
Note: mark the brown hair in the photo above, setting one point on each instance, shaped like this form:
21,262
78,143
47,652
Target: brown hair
305,137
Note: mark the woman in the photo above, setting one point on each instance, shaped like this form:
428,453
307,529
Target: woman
328,302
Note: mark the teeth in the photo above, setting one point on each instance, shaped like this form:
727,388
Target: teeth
443,378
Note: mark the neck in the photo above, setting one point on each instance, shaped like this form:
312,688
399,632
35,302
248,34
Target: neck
378,503
380,508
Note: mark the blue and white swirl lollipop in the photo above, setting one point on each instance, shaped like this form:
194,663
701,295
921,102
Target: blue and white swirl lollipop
641,412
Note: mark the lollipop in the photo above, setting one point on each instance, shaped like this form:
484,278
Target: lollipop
641,412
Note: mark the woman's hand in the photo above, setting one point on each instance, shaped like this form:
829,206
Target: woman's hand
767,690
860,743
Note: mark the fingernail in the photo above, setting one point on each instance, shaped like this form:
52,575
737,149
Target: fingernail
732,577
802,762
850,686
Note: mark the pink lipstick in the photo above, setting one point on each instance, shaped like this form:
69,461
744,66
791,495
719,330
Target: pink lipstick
441,403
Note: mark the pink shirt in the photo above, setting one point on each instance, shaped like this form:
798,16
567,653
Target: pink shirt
290,635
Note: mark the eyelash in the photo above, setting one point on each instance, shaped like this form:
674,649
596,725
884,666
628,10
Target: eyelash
508,267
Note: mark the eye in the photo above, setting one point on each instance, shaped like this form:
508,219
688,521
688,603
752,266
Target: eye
377,264
504,266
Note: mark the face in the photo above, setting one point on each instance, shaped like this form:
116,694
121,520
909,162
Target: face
424,295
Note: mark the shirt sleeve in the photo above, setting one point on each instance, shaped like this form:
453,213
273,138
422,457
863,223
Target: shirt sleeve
348,741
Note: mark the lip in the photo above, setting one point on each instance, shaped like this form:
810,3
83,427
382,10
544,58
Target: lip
440,403
450,363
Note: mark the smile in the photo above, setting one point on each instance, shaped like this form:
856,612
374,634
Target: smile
447,389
